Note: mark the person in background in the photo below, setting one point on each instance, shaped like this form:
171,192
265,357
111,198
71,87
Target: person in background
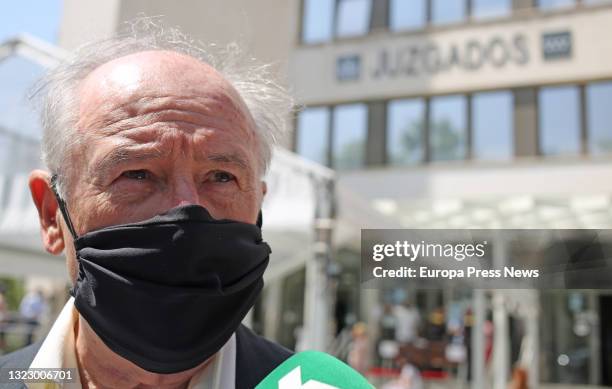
407,323
436,328
32,308
519,379
388,323
359,348
489,330
409,378
468,324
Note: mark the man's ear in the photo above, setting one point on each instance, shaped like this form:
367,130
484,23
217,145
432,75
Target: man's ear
48,211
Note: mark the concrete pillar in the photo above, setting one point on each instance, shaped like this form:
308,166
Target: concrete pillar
316,312
501,333
478,340
522,5
501,342
525,122
319,291
369,303
380,15
532,327
376,140
272,314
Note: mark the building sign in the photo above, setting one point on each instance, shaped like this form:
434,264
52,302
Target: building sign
557,45
517,52
426,58
348,68
420,59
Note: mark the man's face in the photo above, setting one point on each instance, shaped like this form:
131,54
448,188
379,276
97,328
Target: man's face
156,130
159,130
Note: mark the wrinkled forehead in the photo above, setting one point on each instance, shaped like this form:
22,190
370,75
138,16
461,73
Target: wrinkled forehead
151,80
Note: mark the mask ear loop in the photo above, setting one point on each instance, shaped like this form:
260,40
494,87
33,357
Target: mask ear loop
64,211
62,206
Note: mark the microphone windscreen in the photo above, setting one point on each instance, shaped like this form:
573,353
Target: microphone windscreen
314,370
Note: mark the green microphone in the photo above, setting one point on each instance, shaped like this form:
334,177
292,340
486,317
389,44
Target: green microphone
314,370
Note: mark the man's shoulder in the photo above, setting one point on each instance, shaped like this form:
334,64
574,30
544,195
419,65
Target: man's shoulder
20,359
256,357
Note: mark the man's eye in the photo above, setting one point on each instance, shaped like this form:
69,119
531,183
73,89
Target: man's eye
136,174
222,177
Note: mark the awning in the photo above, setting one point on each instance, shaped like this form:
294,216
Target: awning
520,194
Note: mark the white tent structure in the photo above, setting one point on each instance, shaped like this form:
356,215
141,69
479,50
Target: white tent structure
22,60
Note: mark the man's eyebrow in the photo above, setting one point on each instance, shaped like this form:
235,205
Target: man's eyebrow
121,155
229,158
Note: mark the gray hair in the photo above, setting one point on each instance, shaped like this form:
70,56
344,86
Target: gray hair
56,94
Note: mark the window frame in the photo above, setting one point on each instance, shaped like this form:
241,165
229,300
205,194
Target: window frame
336,18
296,135
468,19
332,134
582,125
384,155
467,130
424,137
472,128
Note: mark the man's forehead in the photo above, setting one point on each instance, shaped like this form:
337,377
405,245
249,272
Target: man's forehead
141,76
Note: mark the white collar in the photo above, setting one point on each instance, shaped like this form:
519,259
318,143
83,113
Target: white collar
58,351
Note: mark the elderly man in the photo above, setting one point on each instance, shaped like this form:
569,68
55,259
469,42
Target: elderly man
156,153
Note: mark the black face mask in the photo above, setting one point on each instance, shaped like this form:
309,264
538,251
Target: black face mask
167,293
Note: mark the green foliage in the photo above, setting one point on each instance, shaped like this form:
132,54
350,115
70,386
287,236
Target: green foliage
351,156
14,291
447,142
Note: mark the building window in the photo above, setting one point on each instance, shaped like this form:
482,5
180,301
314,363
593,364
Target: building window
447,128
492,125
407,15
405,127
313,134
447,11
599,117
555,4
559,120
483,9
317,21
353,17
349,136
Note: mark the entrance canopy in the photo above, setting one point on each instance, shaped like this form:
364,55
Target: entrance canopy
524,194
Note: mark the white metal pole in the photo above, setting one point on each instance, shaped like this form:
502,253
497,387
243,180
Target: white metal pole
501,332
478,340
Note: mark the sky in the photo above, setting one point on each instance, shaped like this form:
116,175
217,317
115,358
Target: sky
40,18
